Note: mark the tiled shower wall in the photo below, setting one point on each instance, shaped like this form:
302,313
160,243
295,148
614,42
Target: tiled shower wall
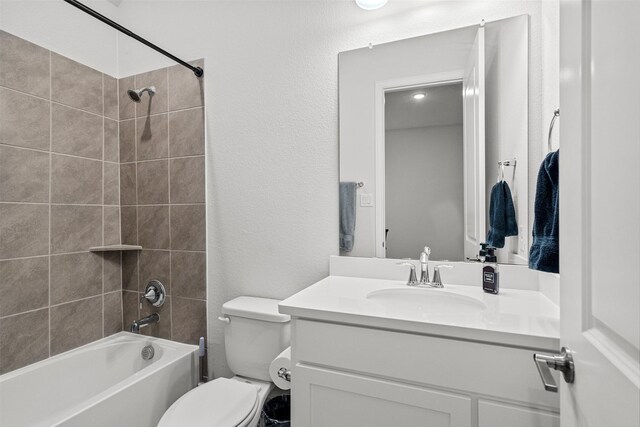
162,175
81,165
59,196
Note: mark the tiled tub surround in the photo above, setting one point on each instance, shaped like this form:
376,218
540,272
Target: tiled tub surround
162,178
59,195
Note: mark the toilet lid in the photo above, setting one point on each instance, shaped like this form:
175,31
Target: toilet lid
221,403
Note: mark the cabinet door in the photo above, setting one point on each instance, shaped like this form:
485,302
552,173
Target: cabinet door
493,414
325,398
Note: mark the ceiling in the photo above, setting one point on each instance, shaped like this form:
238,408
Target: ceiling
442,106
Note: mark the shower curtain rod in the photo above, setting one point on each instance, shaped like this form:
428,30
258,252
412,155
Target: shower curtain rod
196,70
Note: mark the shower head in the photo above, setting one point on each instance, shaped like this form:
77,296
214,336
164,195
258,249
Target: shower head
136,94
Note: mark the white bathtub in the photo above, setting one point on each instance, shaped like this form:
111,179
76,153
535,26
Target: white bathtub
105,383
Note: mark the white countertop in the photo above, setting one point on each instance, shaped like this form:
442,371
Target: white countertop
514,317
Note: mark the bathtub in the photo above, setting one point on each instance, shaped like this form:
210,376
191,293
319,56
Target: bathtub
104,383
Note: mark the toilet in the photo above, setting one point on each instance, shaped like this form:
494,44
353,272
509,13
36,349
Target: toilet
254,334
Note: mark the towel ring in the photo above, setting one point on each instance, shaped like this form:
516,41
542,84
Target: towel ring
556,114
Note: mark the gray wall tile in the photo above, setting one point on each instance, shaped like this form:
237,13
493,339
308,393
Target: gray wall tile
153,227
24,120
159,102
128,184
129,225
128,141
76,132
75,228
189,320
24,66
188,227
186,90
24,285
24,230
75,276
24,175
65,318
125,104
111,183
75,84
153,182
112,272
76,180
130,270
188,274
187,180
130,308
112,306
110,97
154,265
152,137
24,339
111,142
111,225
186,132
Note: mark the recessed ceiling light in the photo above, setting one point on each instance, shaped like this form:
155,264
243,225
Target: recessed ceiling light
371,4
419,96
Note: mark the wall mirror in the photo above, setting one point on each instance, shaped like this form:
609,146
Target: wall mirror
428,126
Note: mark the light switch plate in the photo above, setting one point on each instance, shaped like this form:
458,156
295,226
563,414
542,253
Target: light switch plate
366,200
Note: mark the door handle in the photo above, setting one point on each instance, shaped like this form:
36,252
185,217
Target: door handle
562,362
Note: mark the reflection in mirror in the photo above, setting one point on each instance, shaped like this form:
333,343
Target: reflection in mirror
428,123
423,150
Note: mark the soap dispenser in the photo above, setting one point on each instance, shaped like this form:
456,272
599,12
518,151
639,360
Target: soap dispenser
490,274
483,251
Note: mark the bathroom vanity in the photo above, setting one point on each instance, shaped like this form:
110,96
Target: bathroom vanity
369,351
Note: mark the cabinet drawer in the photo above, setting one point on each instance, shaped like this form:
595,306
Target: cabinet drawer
326,398
501,372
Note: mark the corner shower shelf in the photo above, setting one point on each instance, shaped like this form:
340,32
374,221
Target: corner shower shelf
111,248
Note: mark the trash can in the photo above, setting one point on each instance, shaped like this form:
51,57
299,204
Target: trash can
276,412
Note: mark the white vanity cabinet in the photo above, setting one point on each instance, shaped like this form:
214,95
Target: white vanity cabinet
346,375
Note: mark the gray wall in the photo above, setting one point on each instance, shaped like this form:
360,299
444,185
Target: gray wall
162,176
424,192
58,198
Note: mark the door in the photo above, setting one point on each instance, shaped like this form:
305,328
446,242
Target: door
600,211
473,148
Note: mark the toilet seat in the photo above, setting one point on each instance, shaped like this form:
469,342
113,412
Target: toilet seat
221,403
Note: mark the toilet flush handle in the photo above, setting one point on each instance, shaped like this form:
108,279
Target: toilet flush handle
224,319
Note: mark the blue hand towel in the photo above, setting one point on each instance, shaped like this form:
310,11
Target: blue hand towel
347,215
544,254
502,215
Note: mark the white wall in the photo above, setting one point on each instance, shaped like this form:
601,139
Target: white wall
424,197
60,27
271,94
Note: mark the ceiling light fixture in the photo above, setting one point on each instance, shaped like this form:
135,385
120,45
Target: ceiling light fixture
371,4
419,96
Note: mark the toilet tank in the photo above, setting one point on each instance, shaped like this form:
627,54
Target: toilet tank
254,335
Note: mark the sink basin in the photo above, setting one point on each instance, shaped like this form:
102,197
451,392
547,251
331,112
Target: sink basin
426,301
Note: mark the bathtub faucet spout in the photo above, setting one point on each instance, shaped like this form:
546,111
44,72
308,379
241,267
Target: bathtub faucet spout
145,321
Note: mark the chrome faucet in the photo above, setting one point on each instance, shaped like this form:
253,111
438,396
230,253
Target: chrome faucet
424,266
437,280
413,280
145,321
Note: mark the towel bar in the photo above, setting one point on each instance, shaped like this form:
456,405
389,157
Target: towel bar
556,114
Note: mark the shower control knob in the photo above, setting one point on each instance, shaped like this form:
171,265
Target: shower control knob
154,293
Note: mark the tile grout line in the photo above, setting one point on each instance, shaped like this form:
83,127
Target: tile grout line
103,208
169,200
50,151
50,179
50,100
